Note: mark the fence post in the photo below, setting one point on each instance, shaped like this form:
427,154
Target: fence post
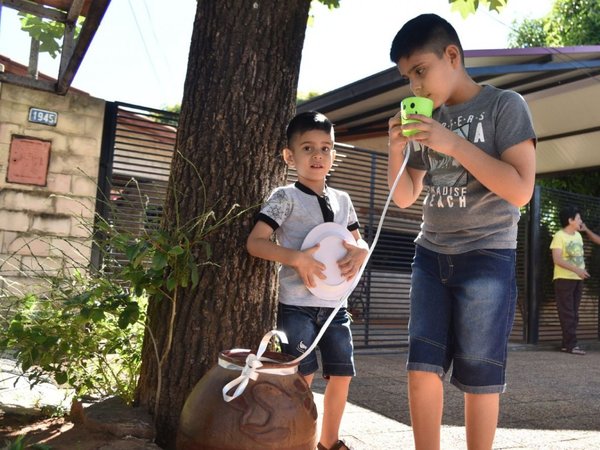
105,172
370,238
532,275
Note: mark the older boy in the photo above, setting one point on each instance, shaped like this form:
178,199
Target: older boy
476,159
291,212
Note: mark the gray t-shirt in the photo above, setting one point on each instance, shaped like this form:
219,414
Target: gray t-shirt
459,213
293,211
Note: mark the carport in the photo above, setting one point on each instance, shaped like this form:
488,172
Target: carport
562,88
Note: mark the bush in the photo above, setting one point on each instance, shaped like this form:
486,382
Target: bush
86,332
86,327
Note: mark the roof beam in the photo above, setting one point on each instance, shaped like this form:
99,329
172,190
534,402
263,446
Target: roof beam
88,30
28,82
573,64
75,11
36,10
69,34
569,134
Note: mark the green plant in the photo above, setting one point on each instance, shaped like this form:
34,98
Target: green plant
159,262
85,328
466,7
84,332
47,32
20,444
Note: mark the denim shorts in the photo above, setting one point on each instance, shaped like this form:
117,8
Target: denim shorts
301,325
462,310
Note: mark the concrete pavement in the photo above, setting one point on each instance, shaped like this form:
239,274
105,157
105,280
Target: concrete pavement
552,402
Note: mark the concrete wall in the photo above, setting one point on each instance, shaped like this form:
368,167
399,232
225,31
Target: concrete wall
44,229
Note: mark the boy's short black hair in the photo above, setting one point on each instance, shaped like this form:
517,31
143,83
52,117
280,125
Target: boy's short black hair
308,121
427,32
566,213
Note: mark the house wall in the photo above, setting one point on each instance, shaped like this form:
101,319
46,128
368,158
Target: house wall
45,229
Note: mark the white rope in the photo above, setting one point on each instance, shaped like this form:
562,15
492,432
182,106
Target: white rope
254,362
253,366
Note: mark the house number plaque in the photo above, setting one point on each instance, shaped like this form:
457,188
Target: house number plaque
42,116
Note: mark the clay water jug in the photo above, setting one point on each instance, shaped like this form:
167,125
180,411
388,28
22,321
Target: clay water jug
274,411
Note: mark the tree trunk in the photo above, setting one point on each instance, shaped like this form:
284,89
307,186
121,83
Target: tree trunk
239,94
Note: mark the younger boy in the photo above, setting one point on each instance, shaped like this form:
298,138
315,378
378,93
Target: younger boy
291,212
476,160
569,273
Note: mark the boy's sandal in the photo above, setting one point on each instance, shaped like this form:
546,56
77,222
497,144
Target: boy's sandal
339,445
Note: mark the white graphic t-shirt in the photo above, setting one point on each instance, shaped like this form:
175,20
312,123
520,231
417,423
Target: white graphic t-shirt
293,211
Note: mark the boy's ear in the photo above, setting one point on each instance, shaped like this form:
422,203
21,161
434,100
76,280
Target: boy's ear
288,156
453,54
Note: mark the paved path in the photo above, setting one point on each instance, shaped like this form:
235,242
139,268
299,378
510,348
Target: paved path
552,402
18,396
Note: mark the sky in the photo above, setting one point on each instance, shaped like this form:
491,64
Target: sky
139,53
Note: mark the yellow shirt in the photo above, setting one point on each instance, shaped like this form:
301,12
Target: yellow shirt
572,251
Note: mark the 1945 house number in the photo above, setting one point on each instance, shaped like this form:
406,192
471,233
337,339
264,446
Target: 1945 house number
42,116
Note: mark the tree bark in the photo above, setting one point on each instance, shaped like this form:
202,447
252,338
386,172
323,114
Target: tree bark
239,94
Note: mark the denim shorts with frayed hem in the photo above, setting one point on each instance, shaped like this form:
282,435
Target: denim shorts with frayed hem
301,325
462,310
